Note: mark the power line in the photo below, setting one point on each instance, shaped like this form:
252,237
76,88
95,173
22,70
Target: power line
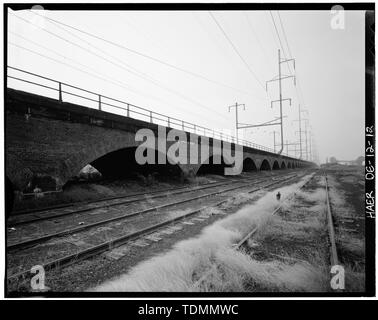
93,46
222,51
68,65
120,66
299,89
273,34
255,35
146,56
91,74
102,76
278,35
284,33
236,50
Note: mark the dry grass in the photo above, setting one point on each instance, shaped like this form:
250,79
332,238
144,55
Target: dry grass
354,279
208,262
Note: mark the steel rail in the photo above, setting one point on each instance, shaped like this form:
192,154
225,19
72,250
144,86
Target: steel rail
250,233
149,113
46,237
35,210
253,231
334,258
143,195
109,245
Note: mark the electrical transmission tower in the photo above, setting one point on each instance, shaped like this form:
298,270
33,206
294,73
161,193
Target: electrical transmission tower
280,100
278,120
306,122
274,139
300,111
236,106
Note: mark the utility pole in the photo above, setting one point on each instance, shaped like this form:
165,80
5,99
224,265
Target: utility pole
306,134
274,140
310,139
290,144
295,150
300,111
279,79
236,106
273,122
300,130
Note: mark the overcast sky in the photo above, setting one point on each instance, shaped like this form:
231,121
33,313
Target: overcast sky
330,66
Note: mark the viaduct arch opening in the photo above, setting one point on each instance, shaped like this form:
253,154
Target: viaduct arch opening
9,196
276,166
211,168
249,165
121,164
265,165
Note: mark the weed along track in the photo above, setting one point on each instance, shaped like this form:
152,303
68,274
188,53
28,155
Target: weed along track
295,241
80,220
291,247
243,245
298,244
26,217
346,228
106,228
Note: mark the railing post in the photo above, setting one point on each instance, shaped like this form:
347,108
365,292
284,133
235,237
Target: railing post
221,136
151,117
128,110
183,126
194,128
169,122
60,92
99,102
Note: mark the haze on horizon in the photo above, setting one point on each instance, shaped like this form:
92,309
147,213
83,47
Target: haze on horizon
330,66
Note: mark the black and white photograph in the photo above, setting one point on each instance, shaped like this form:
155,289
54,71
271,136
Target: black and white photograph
195,150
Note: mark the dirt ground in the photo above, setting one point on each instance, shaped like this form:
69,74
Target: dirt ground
347,190
298,234
81,191
91,272
292,247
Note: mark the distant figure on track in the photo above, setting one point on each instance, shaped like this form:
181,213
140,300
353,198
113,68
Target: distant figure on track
278,196
37,192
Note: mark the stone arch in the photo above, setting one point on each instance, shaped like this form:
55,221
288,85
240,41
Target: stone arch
9,196
249,164
275,165
18,173
283,165
265,165
122,163
207,165
90,152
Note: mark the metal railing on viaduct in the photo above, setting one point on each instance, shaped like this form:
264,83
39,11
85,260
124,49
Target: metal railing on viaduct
131,110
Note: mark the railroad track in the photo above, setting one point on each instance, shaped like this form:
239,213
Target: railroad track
239,245
330,226
122,216
91,237
75,204
245,239
31,216
334,260
30,239
331,230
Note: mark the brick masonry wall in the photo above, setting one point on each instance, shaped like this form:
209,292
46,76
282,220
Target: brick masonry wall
52,141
